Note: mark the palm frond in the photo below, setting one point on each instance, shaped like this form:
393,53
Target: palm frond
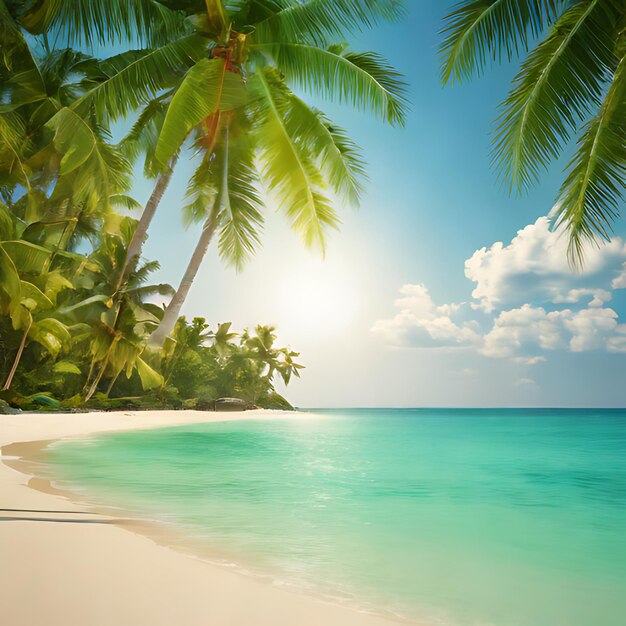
201,193
131,79
63,66
591,194
91,22
555,89
142,274
240,218
143,136
364,80
162,289
126,202
209,86
22,87
479,30
14,143
216,15
287,169
12,42
317,21
338,158
91,170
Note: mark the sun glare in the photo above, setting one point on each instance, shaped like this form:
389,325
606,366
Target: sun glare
317,300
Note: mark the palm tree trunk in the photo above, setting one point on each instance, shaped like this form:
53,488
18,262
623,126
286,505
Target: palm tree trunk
141,231
113,381
97,380
173,308
18,357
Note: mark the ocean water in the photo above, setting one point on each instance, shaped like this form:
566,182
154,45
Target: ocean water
453,517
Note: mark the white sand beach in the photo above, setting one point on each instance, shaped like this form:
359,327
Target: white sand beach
64,565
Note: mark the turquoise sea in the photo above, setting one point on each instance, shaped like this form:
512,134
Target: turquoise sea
456,517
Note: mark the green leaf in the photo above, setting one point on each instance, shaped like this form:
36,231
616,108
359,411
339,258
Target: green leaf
288,169
364,80
478,30
51,334
317,21
33,293
217,19
102,299
338,158
6,223
107,21
99,170
208,86
55,283
150,379
28,257
591,194
125,202
66,367
131,79
14,143
73,139
559,83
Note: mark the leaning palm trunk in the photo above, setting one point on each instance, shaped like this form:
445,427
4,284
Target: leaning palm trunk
98,378
173,308
18,358
141,231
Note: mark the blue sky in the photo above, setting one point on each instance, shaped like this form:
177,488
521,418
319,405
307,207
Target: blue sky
388,317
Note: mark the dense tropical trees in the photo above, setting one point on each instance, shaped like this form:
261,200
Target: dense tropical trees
211,78
213,364
572,80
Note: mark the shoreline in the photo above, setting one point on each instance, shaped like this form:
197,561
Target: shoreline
183,586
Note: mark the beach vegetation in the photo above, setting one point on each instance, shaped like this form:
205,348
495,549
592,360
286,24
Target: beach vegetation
223,83
571,84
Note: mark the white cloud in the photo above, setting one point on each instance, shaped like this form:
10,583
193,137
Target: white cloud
619,282
534,268
421,323
617,343
591,329
524,329
528,330
536,302
573,296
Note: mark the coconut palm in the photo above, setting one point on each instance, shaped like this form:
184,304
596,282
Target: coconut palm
29,288
573,80
56,156
245,52
117,322
251,128
31,313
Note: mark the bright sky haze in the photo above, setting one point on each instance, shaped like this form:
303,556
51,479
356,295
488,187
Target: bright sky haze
441,289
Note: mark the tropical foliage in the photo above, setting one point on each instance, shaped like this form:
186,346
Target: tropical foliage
572,81
218,81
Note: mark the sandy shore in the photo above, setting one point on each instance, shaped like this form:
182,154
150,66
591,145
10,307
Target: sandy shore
64,565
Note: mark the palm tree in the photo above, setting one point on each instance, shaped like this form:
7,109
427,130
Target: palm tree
29,288
217,60
31,314
241,113
572,81
117,321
